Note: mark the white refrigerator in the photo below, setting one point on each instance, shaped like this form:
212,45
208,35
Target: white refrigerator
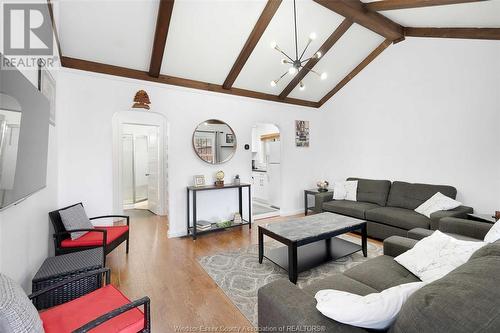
274,173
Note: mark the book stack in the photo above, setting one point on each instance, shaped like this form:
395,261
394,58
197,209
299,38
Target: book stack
203,225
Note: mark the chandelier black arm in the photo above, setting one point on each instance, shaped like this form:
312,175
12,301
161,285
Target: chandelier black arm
306,60
305,48
283,53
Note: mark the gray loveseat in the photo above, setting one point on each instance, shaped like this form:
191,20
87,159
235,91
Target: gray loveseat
466,300
389,207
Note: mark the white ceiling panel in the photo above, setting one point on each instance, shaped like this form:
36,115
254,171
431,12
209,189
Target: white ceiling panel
485,14
114,32
264,65
206,37
350,50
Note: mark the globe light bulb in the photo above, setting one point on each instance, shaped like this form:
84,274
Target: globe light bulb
312,36
292,70
283,61
318,55
323,76
273,83
274,45
302,86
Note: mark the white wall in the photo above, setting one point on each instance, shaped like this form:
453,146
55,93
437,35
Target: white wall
89,101
426,110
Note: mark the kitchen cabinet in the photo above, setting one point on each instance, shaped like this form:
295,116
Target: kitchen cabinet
260,185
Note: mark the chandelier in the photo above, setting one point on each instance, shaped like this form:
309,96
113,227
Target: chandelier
297,63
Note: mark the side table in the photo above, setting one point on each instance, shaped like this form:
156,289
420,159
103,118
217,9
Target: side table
319,198
59,268
487,218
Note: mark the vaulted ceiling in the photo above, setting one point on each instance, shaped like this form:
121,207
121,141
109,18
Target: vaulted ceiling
224,46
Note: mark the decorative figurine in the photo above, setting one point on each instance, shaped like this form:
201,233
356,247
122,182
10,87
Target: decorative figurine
322,185
219,176
497,215
141,100
237,218
236,180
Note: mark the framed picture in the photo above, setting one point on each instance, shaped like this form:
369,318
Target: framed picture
199,180
47,86
302,133
229,138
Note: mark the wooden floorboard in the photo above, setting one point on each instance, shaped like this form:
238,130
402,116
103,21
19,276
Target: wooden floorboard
166,269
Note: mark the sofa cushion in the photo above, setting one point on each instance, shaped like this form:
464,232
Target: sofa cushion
351,208
76,313
339,282
371,190
93,238
410,196
398,217
381,273
490,250
465,300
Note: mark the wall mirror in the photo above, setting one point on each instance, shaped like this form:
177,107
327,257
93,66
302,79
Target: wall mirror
214,141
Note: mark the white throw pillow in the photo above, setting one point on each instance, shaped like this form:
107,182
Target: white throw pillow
345,190
436,203
493,234
376,311
435,256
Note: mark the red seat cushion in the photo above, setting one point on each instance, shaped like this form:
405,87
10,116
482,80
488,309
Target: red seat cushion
95,238
69,316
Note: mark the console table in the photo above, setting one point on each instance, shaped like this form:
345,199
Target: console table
191,229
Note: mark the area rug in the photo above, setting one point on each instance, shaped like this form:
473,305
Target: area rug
240,275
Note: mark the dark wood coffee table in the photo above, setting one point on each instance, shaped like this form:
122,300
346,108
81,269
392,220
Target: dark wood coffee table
310,241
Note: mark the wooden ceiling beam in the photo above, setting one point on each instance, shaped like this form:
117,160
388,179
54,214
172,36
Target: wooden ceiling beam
464,33
257,32
406,4
161,33
327,45
355,10
176,81
375,53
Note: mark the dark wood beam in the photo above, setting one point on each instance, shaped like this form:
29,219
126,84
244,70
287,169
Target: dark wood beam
464,33
327,45
356,11
54,28
161,33
406,4
259,28
176,81
356,70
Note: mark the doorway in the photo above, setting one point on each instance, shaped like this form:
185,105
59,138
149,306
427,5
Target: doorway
140,175
266,170
140,186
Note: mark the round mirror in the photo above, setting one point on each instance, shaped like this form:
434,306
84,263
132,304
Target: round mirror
214,141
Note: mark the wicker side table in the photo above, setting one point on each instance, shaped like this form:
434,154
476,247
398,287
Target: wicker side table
55,269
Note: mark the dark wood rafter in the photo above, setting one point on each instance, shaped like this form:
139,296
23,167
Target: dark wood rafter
54,28
160,40
464,33
259,28
406,4
176,81
327,45
375,53
356,11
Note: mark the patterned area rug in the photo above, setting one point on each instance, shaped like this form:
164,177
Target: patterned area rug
240,275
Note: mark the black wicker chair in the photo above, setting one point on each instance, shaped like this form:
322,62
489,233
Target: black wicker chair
54,318
111,236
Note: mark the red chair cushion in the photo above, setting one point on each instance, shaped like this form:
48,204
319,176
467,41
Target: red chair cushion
95,238
69,316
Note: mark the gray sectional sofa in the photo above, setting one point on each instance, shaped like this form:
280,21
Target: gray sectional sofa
466,300
389,207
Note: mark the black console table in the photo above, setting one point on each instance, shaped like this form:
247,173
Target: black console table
191,229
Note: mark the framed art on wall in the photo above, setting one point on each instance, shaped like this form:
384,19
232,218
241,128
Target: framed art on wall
47,86
302,133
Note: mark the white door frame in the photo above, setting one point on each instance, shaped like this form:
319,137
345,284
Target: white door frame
140,118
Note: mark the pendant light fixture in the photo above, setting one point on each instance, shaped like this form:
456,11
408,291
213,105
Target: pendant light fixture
297,63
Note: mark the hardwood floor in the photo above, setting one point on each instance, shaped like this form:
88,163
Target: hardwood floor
166,269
